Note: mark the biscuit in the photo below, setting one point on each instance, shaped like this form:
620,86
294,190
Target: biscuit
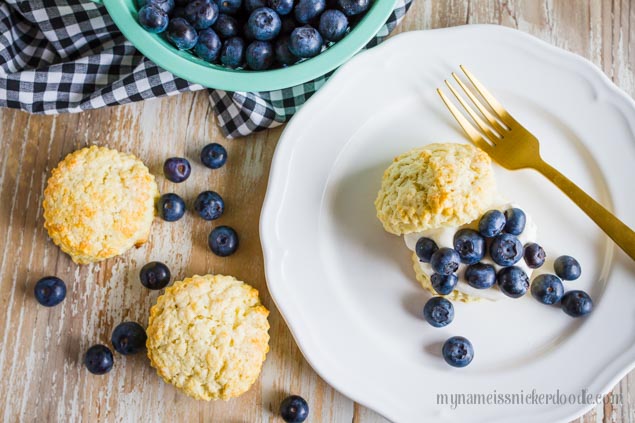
208,336
424,280
98,203
438,185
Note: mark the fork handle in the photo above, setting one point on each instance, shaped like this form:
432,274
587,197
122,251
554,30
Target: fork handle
623,236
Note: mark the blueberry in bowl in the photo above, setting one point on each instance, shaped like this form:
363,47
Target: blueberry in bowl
470,245
513,281
259,55
534,255
576,303
264,23
305,42
506,250
567,268
181,34
153,19
547,289
201,13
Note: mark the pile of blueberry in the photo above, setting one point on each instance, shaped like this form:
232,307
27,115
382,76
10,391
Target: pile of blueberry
257,34
497,234
223,240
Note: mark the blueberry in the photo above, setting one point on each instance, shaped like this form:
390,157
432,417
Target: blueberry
438,312
171,207
264,24
480,275
294,409
353,7
213,155
282,7
166,6
424,248
333,25
492,223
281,49
232,54
226,26
547,289
181,34
208,45
129,338
305,42
251,5
443,284
155,275
259,55
288,25
576,303
177,169
534,255
209,205
153,19
445,261
223,241
516,220
458,351
567,268
50,291
229,7
506,250
201,13
307,10
98,359
470,246
513,281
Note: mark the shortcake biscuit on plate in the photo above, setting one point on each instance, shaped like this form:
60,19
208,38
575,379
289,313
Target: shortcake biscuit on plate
98,203
208,336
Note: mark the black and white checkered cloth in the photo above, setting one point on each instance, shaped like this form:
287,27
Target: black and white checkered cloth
60,56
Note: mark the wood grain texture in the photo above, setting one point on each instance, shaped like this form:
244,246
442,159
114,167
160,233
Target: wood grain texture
41,349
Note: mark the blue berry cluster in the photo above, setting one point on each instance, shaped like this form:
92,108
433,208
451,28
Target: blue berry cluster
252,34
127,338
497,235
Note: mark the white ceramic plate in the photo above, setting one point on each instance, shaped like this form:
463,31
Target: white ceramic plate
347,289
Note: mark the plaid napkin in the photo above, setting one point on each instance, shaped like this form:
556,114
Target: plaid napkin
60,56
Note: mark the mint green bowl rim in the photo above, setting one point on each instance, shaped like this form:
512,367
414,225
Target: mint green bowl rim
191,68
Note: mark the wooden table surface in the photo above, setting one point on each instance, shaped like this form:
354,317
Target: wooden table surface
41,349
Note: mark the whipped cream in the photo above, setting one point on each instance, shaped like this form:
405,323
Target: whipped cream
444,237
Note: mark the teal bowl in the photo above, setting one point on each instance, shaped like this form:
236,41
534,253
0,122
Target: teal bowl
193,69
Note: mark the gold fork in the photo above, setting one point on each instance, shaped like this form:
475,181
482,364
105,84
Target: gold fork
514,147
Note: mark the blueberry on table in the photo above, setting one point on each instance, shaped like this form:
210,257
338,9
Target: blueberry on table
534,255
201,13
155,275
458,351
547,289
506,250
209,205
307,10
281,7
98,359
438,311
171,207
492,223
259,55
166,6
264,24
513,281
576,303
223,241
229,7
470,245
516,220
226,26
129,338
208,45
353,7
181,34
424,248
232,54
153,19
50,291
445,261
443,284
567,268
177,169
213,155
333,25
305,42
251,5
281,50
294,409
480,275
